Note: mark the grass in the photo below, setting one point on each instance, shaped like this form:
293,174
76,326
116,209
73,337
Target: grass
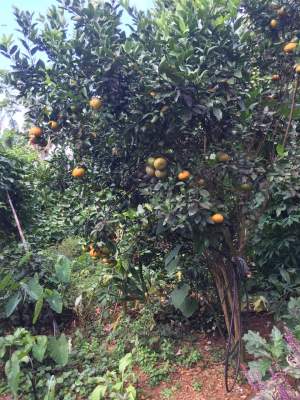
197,386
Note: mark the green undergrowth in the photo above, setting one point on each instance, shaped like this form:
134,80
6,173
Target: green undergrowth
96,351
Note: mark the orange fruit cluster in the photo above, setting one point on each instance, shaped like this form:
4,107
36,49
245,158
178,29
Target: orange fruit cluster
157,167
101,253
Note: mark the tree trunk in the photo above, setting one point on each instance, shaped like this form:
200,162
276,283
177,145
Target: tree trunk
228,292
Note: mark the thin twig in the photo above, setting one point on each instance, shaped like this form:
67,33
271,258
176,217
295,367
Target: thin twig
25,244
292,112
204,144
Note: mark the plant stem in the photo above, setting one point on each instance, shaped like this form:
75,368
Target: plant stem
292,111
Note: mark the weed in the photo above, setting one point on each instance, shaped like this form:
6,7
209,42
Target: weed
149,361
197,386
168,393
217,354
189,357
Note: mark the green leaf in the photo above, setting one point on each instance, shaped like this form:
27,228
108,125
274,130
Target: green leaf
25,259
39,348
37,309
118,387
51,383
179,294
278,345
131,391
296,332
171,260
294,308
98,393
256,344
260,367
54,299
280,150
33,288
3,345
285,275
63,268
6,281
84,92
12,371
172,266
12,304
188,307
180,300
125,362
59,349
238,74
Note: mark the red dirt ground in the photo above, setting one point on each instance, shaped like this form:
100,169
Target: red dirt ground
209,373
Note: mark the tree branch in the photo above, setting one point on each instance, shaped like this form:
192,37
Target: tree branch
292,111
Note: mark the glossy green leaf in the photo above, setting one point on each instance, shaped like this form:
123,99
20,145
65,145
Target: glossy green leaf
125,362
37,309
33,288
54,299
98,393
59,349
39,348
13,373
12,304
63,268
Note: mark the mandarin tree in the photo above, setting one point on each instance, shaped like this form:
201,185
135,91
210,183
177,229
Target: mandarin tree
188,91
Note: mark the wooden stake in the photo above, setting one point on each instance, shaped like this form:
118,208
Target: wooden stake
23,240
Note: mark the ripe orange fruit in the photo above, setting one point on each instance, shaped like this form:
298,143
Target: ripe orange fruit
223,157
95,253
290,47
275,77
78,172
35,131
273,23
96,103
184,175
150,161
297,68
53,125
217,218
152,93
160,163
150,171
160,174
281,12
